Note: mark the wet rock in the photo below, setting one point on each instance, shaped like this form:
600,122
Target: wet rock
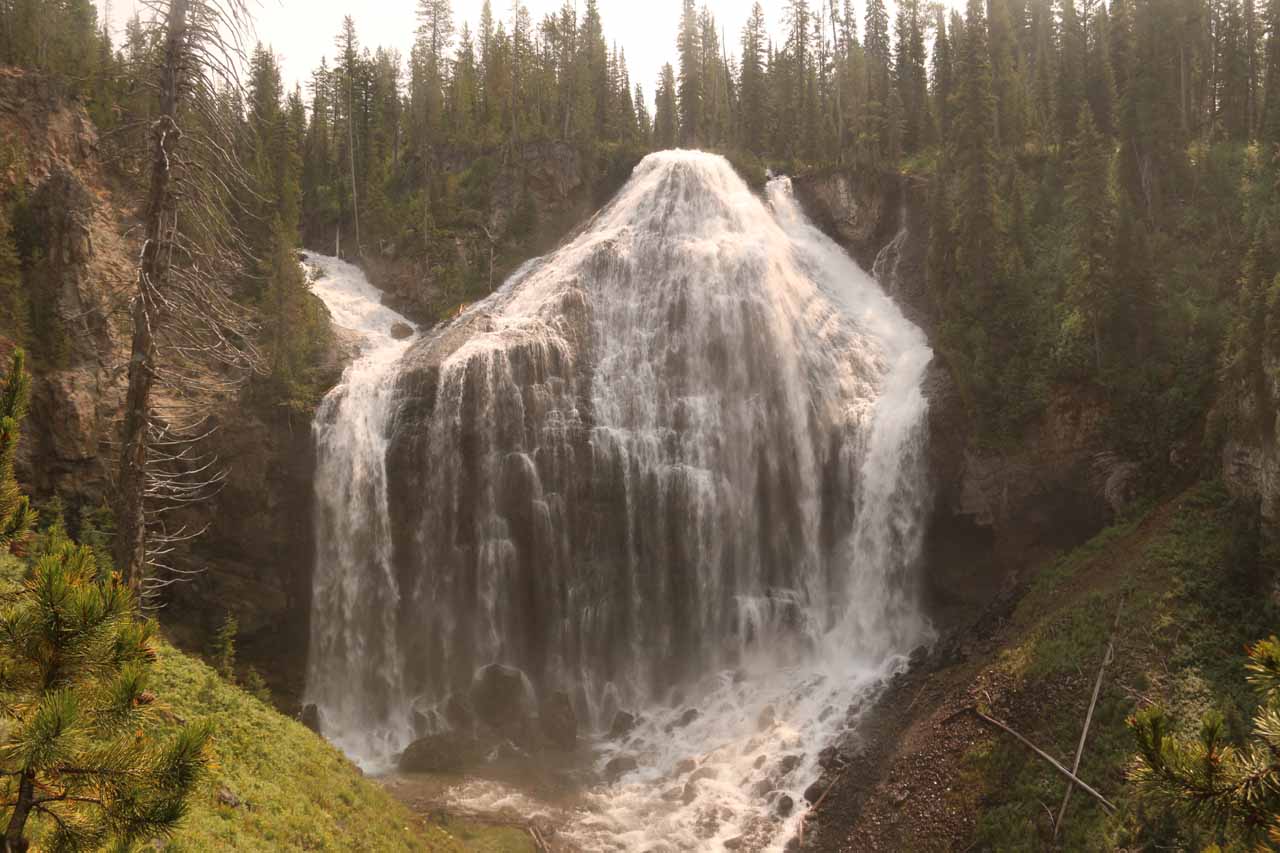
768,716
559,723
814,792
704,773
830,758
687,718
401,331
687,765
784,806
735,843
690,793
438,753
499,697
459,713
421,721
672,794
789,763
623,724
618,767
760,762
310,717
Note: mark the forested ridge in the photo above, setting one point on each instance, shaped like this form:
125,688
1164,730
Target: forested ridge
1102,177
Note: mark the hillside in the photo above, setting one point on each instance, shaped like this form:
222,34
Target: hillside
1176,581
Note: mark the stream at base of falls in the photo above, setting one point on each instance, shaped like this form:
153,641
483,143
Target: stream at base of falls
675,471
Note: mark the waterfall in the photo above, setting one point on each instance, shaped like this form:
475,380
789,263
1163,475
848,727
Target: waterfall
353,585
677,464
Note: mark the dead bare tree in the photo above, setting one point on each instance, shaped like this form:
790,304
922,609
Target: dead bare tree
191,340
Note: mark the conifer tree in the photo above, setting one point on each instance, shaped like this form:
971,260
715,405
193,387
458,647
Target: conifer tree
1092,213
689,50
1208,778
753,101
666,116
16,515
74,665
74,662
973,158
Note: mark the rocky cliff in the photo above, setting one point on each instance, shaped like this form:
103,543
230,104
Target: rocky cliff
76,229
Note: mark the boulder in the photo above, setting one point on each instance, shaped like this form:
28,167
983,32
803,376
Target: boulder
459,713
401,331
685,719
784,806
618,767
559,723
830,758
813,793
310,717
789,763
438,753
703,773
768,716
623,724
687,765
499,697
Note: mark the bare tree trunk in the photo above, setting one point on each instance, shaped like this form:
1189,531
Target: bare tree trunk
153,274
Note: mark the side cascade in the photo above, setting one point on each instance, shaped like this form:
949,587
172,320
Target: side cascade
678,463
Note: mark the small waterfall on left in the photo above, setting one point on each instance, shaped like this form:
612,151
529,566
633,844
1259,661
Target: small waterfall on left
354,672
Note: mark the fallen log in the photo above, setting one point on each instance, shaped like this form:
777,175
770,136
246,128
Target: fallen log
1107,804
1088,719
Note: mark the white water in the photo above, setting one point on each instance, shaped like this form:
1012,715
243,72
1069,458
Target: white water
878,625
737,392
353,581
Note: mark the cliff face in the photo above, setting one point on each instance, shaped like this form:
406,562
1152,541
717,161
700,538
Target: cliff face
78,230
997,510
77,280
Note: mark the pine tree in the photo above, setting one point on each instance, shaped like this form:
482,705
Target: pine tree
1270,121
666,120
689,49
1072,58
1208,778
943,74
15,317
1091,210
753,86
974,159
16,515
74,666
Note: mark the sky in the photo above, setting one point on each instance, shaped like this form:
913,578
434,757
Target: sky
302,31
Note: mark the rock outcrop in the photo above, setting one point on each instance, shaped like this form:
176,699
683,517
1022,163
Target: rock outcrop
80,278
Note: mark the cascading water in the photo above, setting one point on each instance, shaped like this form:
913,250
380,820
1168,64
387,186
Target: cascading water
676,464
353,583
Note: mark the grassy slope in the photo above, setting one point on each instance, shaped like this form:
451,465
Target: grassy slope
1185,620
297,791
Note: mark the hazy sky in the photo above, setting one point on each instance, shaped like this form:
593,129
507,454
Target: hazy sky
301,31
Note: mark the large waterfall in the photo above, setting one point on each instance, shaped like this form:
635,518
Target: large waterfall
678,463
